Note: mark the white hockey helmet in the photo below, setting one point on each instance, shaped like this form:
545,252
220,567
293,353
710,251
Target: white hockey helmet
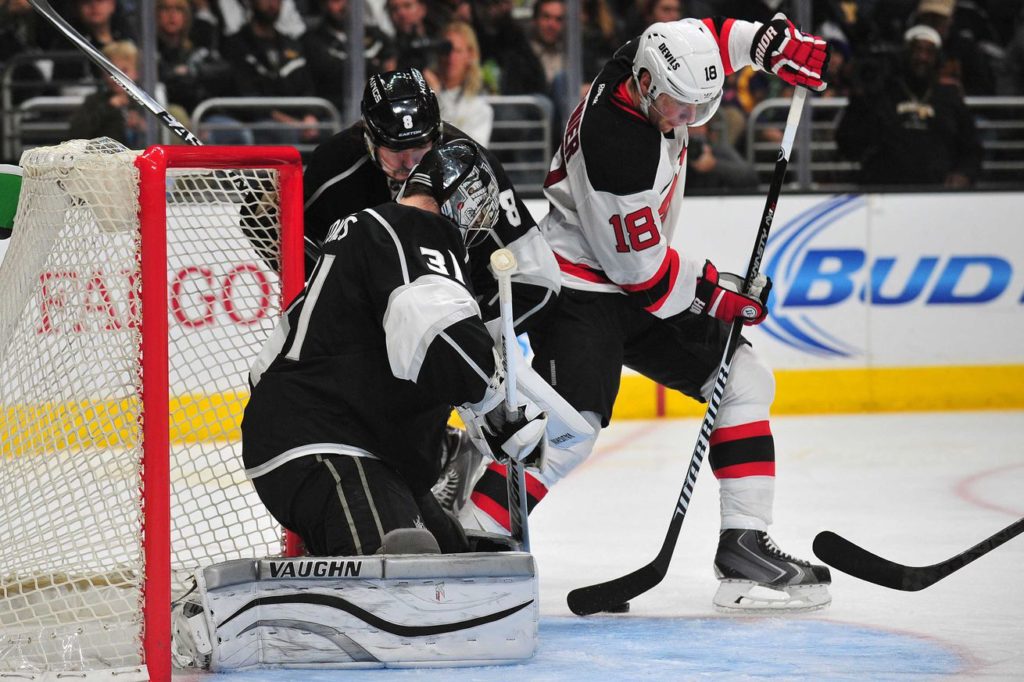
685,64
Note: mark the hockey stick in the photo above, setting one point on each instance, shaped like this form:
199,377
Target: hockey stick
143,98
503,266
842,554
613,594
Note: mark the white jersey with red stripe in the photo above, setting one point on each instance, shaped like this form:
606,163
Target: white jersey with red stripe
615,189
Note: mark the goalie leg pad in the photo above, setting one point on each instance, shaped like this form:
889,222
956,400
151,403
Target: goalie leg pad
367,611
487,507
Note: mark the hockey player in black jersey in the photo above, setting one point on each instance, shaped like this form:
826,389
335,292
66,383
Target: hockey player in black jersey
630,298
342,433
366,164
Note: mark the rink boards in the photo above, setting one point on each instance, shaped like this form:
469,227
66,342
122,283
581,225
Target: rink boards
880,302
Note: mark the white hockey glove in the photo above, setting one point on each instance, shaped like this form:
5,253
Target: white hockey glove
516,436
494,433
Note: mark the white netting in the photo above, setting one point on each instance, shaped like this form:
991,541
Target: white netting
71,562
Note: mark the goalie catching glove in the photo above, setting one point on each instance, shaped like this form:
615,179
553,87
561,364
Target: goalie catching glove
718,295
795,57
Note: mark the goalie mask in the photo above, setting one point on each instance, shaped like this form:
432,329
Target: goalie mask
685,64
461,181
399,112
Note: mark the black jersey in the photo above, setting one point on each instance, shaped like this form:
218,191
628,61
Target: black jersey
341,179
384,339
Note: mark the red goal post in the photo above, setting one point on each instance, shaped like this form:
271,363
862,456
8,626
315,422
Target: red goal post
153,165
134,303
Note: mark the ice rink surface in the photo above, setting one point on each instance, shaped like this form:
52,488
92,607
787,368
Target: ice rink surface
913,488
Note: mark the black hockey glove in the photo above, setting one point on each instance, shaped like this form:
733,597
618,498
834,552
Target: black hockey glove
718,295
517,436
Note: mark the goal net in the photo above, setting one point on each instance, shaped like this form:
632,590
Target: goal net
136,291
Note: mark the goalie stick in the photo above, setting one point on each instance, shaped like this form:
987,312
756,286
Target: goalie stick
143,98
503,266
613,594
840,553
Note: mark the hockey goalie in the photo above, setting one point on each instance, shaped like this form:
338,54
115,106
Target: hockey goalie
341,439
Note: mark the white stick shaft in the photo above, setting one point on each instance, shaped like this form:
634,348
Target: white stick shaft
509,341
503,266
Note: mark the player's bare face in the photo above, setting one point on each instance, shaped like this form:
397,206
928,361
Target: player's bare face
667,113
396,164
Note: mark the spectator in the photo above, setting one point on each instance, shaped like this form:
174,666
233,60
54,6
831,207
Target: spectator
268,63
326,47
232,15
967,63
652,12
714,164
101,22
839,60
1012,74
190,73
547,37
907,127
19,35
416,37
460,93
110,112
509,65
206,27
600,35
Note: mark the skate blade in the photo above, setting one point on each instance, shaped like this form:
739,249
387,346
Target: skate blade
747,597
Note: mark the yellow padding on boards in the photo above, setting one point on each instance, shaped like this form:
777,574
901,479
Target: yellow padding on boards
888,389
28,429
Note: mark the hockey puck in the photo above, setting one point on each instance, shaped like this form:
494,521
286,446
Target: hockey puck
618,608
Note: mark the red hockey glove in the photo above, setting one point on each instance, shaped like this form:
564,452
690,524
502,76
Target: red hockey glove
795,57
717,296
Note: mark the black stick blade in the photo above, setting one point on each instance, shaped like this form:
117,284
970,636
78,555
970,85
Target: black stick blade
849,558
585,601
860,563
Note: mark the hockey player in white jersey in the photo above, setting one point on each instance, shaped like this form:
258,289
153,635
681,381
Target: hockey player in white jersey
631,299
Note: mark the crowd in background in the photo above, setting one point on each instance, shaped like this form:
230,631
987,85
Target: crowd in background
470,48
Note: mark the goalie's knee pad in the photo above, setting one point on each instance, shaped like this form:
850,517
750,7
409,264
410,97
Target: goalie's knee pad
409,541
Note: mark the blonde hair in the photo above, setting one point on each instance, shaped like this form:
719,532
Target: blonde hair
121,49
473,81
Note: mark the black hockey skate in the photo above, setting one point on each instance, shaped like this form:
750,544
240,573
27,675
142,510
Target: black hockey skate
459,472
755,576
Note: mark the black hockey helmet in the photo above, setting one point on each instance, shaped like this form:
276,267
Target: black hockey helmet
400,111
462,182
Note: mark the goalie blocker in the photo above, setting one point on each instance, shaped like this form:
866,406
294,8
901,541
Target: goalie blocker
396,610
